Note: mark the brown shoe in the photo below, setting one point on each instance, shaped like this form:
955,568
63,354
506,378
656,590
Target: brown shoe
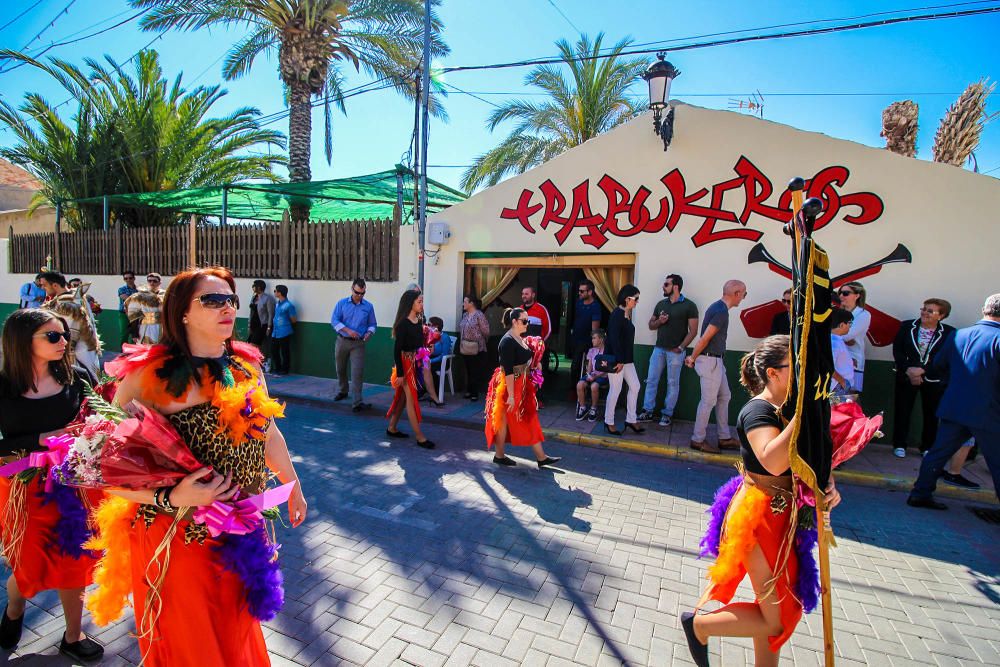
705,446
729,443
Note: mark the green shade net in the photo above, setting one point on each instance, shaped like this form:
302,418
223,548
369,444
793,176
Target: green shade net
358,198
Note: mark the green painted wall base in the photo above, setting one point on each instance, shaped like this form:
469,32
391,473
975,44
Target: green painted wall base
313,347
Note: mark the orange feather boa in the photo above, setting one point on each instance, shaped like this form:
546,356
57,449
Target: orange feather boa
113,573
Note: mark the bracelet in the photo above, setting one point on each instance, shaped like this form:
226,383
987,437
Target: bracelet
166,498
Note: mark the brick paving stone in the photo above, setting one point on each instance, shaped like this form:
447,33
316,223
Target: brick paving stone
427,558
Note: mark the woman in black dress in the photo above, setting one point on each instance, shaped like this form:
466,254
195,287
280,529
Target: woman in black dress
40,393
409,334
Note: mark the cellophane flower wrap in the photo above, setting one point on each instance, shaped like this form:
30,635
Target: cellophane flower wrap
133,447
537,347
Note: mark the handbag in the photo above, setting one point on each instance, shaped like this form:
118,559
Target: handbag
468,348
605,363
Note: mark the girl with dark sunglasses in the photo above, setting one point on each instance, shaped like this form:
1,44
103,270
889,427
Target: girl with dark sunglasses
40,393
511,401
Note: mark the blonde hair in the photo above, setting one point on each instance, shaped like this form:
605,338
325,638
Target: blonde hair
860,290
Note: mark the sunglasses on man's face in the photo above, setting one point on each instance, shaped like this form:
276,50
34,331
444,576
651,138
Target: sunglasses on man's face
357,293
54,336
786,301
218,301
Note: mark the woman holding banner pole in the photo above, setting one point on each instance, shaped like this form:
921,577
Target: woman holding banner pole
755,528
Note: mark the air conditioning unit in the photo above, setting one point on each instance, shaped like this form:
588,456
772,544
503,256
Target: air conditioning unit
438,233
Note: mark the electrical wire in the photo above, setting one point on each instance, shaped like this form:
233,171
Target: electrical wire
48,25
14,20
78,39
555,60
571,24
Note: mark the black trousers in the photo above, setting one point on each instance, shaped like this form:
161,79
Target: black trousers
476,366
579,352
930,394
281,354
258,336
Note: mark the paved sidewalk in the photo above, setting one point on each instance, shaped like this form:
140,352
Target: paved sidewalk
410,557
874,466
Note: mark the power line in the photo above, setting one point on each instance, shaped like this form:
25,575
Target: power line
48,25
476,93
78,39
810,22
571,24
14,20
735,40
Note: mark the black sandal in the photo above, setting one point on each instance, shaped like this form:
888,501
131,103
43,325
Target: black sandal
10,630
396,434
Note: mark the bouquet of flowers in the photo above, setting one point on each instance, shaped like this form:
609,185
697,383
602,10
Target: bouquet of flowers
131,448
537,347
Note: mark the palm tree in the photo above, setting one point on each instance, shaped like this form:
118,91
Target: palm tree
312,39
132,133
593,101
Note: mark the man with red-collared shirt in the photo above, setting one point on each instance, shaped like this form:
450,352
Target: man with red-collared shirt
539,322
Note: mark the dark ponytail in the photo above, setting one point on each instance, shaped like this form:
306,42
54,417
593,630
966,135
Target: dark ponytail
771,352
510,315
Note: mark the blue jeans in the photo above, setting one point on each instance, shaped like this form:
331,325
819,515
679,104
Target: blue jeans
950,438
674,362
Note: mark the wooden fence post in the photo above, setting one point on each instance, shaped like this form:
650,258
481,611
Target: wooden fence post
285,246
193,241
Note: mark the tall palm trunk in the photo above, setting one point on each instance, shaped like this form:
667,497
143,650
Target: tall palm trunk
299,131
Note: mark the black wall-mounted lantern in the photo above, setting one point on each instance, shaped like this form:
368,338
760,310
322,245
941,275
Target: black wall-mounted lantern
659,76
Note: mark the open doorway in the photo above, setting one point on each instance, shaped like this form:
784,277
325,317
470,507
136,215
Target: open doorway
555,279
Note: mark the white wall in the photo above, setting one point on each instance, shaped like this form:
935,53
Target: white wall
313,299
943,214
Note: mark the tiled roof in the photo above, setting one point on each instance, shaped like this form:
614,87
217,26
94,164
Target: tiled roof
15,177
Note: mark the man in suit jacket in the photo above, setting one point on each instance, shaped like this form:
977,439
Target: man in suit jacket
970,406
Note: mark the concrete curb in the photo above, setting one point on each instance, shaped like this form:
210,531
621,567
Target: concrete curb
872,479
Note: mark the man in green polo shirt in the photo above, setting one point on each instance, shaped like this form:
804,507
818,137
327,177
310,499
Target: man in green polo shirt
675,321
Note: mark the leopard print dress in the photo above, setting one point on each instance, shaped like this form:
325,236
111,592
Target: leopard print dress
198,426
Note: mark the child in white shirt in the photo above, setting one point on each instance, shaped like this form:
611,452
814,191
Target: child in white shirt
843,364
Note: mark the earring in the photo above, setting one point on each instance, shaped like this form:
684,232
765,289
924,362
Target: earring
185,320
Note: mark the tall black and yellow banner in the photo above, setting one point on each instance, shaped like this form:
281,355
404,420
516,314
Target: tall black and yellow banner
811,446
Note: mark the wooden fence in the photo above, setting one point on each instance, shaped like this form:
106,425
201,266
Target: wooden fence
304,250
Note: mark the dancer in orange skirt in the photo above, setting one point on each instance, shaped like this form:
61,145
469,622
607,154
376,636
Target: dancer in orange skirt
409,335
43,528
756,527
198,598
511,404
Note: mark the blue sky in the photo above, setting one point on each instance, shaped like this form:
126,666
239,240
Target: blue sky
835,84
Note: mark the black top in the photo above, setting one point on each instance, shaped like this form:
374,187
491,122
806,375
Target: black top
781,324
23,419
409,338
621,337
512,354
906,354
755,414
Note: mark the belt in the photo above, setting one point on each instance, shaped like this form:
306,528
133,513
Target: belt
711,354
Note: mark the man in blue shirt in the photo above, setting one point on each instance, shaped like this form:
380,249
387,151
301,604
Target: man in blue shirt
970,406
586,320
354,321
32,294
281,331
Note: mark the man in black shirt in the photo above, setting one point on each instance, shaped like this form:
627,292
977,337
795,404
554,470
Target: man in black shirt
782,322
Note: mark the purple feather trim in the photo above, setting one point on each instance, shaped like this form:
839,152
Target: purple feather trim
717,514
255,561
807,588
71,530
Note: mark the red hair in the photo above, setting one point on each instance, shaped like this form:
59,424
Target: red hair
177,300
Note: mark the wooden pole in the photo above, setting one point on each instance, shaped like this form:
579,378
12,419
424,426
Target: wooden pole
193,242
824,533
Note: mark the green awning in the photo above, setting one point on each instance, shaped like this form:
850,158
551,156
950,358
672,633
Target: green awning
356,198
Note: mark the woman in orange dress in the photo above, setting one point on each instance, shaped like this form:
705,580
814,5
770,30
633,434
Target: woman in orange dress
198,599
408,333
511,403
756,528
43,528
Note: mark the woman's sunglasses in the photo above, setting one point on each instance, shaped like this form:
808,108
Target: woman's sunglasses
218,301
845,292
54,336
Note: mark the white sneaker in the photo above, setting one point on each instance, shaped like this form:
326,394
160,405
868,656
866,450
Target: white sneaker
664,420
899,453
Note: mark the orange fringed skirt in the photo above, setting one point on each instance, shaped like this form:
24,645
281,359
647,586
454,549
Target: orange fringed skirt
751,521
203,618
409,385
37,565
522,423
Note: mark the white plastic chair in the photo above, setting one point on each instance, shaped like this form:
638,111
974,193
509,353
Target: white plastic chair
445,370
